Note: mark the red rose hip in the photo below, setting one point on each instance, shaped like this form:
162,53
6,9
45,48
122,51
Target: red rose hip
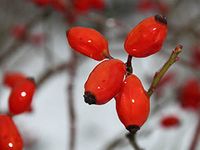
21,96
147,37
132,104
10,138
104,82
12,78
88,42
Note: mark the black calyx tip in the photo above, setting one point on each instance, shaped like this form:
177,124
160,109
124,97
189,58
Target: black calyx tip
133,129
31,79
89,98
161,19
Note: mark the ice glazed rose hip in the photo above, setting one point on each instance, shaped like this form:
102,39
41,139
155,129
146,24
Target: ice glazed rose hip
89,42
21,96
147,37
104,82
132,104
10,138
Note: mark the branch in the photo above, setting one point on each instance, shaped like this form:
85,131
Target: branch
196,135
133,141
158,76
72,113
52,71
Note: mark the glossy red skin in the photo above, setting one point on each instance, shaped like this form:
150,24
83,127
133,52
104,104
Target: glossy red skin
19,103
89,42
132,103
12,78
105,80
170,121
10,138
146,38
190,95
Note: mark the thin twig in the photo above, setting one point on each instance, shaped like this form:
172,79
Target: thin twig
196,137
52,71
72,113
158,76
133,141
129,67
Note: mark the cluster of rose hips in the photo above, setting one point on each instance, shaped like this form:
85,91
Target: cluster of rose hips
113,78
22,91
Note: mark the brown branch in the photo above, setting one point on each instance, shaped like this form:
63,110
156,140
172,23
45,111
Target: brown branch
72,115
52,71
196,137
14,47
133,141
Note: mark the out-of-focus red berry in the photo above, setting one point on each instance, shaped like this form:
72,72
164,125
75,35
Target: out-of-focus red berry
41,2
146,5
132,104
104,82
195,57
19,32
189,94
12,78
10,138
89,42
59,5
170,121
21,96
147,37
83,6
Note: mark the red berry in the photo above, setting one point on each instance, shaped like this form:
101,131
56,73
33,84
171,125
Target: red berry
97,4
41,2
147,37
104,82
88,42
19,32
10,138
170,121
59,5
146,5
12,78
190,94
82,5
132,104
21,96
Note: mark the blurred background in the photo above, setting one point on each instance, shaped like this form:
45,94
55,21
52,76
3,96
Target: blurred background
33,42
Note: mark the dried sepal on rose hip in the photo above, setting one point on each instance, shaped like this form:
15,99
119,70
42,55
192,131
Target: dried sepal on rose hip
147,37
21,96
104,82
132,104
10,138
89,42
12,78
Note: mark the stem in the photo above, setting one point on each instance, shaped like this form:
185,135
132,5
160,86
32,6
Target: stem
129,67
196,135
133,141
71,107
158,75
